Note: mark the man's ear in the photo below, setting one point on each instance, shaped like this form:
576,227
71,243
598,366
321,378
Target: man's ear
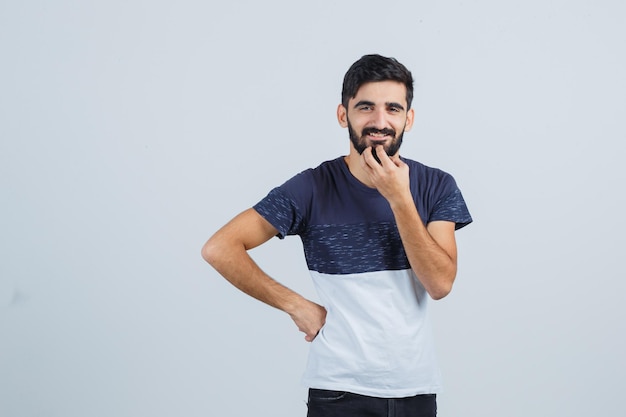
410,117
342,116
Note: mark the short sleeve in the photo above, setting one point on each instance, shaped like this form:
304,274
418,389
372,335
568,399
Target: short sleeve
282,210
452,208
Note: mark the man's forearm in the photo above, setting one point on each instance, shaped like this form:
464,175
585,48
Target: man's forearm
434,266
235,264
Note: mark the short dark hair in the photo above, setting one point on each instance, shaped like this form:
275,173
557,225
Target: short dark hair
371,68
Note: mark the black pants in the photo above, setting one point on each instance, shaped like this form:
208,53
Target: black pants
325,403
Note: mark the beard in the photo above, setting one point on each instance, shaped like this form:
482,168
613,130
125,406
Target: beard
360,143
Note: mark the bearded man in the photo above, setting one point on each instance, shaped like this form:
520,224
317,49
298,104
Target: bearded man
378,232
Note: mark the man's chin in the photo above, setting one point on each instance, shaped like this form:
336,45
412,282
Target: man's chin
385,148
373,144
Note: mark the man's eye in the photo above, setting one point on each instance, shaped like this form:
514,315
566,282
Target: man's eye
394,109
365,108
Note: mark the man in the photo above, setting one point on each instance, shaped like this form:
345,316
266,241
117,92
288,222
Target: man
378,235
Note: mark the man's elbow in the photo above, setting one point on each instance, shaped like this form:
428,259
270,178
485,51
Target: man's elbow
211,251
443,288
440,292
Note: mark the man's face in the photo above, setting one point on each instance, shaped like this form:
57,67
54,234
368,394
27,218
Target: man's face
377,115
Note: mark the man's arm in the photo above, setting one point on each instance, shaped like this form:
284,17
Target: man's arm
431,249
227,252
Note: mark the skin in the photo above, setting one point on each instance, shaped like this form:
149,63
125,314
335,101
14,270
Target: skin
431,249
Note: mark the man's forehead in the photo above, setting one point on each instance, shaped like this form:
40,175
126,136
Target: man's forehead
381,91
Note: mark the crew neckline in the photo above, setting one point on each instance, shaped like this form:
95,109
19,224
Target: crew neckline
354,180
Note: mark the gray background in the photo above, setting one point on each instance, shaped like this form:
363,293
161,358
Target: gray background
131,130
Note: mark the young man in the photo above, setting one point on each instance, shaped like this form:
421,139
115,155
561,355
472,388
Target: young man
378,235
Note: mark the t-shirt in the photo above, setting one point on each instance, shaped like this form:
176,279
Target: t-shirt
377,338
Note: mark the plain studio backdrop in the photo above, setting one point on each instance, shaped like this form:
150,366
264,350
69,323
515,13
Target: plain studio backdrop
132,130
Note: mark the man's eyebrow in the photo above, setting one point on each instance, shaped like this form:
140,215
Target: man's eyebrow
391,104
396,105
364,103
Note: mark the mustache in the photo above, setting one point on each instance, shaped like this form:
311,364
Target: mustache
372,130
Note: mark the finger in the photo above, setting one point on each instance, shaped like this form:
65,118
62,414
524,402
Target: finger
368,157
382,156
309,337
376,155
396,159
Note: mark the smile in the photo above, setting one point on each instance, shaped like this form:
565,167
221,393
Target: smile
378,135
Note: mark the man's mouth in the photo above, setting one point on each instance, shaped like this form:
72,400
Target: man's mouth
378,134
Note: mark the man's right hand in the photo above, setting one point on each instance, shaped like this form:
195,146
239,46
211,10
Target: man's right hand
227,252
309,317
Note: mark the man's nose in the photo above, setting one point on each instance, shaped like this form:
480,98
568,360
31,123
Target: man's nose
379,119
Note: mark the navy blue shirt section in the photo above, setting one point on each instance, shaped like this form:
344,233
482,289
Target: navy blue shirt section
347,227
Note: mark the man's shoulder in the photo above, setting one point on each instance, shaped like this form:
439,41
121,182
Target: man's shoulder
331,164
326,168
418,168
311,178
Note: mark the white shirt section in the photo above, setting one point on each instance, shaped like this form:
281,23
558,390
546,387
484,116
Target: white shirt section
377,339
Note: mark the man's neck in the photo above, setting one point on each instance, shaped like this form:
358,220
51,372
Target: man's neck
353,161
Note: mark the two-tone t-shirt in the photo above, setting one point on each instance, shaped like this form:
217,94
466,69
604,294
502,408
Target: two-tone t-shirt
377,338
